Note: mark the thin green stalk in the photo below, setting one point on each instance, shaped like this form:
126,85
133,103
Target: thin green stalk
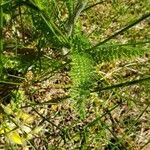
124,84
95,121
145,16
57,127
137,119
127,44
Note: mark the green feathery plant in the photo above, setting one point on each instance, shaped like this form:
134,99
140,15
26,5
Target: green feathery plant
112,52
82,73
81,56
59,34
84,59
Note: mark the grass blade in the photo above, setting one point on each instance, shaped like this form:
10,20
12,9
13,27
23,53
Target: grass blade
145,16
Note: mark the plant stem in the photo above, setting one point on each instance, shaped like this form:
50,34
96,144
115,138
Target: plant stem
124,84
145,16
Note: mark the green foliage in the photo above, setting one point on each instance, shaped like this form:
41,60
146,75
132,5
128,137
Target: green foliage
82,75
111,52
37,31
81,68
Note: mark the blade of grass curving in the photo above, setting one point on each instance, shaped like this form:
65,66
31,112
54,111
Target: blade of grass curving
118,142
136,121
145,16
48,120
124,84
126,44
95,121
